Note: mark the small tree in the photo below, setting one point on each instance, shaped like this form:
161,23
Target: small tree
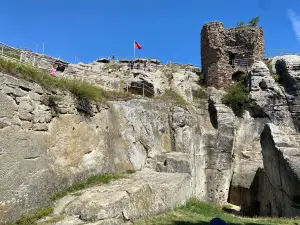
254,22
240,24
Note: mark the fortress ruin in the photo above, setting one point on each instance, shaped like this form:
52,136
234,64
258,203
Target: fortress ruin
227,53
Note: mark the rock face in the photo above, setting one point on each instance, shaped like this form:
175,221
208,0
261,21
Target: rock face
44,136
276,190
152,80
288,69
199,150
269,100
227,51
145,193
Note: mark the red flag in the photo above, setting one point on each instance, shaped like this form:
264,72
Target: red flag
136,45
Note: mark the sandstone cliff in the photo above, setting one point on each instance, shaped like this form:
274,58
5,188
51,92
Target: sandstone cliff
200,149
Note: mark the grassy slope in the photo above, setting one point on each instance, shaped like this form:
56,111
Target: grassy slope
199,213
80,89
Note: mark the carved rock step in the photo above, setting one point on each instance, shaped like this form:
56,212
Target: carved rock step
145,193
174,162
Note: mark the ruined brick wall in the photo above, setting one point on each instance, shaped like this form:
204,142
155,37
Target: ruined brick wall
226,51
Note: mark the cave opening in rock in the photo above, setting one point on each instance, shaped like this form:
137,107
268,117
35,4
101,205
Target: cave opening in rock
238,76
263,85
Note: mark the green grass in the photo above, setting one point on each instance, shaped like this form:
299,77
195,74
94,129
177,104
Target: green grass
91,181
31,219
199,213
80,89
171,95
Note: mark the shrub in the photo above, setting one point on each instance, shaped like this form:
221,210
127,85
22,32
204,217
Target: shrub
31,219
254,22
240,24
276,78
236,98
130,171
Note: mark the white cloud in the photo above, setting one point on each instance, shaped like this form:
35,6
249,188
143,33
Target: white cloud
295,20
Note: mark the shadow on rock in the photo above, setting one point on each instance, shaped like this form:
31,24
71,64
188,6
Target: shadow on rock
232,211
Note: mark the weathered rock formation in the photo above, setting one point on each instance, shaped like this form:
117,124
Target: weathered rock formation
50,143
49,140
288,69
276,189
227,52
199,150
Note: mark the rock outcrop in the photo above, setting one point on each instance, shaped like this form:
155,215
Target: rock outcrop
152,80
288,69
276,189
50,143
145,193
267,97
198,150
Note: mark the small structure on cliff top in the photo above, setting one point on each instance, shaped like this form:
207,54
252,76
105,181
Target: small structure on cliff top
227,53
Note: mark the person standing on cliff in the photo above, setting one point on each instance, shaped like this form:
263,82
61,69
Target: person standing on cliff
53,71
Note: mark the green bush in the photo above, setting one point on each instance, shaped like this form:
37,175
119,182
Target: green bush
276,78
31,219
130,171
236,98
240,24
254,22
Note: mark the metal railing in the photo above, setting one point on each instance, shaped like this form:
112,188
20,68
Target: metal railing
244,63
281,52
33,59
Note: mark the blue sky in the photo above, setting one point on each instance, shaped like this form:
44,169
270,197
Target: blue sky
167,29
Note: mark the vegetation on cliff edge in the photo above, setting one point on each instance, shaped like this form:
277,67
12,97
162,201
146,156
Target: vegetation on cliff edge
91,181
31,219
237,98
80,89
196,212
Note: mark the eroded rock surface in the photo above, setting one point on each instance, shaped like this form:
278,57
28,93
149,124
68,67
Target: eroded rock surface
276,189
144,193
201,149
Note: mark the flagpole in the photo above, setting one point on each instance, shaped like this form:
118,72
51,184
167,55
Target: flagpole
134,49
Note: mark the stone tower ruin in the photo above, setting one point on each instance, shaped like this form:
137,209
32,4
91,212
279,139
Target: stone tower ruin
227,53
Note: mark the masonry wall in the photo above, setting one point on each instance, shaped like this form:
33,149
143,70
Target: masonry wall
226,51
